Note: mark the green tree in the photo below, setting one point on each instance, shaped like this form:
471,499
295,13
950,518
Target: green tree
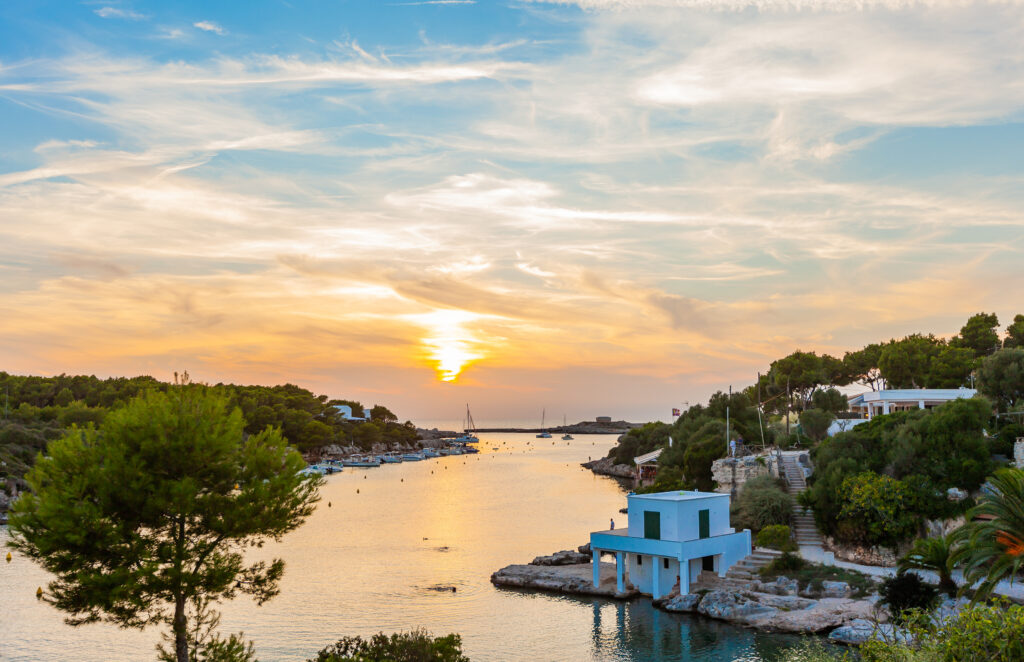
862,367
1001,377
905,363
873,510
382,413
799,373
980,334
64,398
830,400
152,511
994,547
950,367
1015,333
815,423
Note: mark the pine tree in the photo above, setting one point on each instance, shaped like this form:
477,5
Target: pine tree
151,512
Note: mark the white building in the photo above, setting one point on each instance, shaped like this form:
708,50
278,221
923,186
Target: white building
669,531
888,401
345,411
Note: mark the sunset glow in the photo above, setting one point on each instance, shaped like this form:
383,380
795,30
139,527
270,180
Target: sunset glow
662,195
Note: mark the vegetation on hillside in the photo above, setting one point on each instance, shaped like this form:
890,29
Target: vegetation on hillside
36,410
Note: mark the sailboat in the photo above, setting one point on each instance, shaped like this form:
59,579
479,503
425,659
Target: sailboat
566,436
468,435
544,433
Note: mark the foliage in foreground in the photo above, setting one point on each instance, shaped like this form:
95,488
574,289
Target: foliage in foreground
906,591
995,549
415,646
776,536
152,512
935,555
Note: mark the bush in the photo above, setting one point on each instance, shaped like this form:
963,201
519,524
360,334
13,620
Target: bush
786,563
761,503
776,536
907,591
875,510
415,646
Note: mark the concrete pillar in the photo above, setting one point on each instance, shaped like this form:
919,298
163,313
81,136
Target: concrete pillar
920,404
620,572
869,412
885,407
656,577
684,576
597,567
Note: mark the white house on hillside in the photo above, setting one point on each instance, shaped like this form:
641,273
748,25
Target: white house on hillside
345,411
890,400
670,538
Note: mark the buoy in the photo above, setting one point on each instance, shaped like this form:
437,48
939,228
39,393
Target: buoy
357,490
364,477
403,480
39,592
431,471
328,504
8,557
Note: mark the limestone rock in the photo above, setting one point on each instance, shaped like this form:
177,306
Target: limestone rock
733,606
686,602
835,589
731,473
825,614
607,467
585,549
564,557
854,633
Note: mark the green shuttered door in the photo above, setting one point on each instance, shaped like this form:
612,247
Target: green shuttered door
652,525
704,523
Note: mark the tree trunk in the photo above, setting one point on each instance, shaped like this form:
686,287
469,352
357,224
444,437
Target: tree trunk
180,631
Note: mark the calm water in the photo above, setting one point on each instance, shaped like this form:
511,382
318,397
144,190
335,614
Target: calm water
368,562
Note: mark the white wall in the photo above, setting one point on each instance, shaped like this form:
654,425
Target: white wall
679,519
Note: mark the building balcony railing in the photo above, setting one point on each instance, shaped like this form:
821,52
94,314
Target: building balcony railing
621,541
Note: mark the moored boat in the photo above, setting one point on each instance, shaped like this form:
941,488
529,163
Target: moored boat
412,457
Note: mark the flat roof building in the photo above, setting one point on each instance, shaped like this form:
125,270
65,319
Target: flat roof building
670,538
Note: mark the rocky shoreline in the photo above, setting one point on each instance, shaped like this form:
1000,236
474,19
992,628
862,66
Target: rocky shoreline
778,606
605,466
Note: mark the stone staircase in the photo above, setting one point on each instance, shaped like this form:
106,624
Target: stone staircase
748,568
805,531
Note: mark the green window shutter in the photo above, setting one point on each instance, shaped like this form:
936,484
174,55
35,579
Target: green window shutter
704,523
652,524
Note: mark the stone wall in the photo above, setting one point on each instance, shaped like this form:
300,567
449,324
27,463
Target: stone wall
731,473
1018,453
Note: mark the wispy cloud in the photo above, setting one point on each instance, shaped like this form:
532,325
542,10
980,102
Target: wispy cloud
114,12
209,26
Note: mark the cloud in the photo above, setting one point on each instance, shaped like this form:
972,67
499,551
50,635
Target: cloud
114,12
209,26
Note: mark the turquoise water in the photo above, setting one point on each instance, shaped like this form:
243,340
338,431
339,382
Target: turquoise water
368,561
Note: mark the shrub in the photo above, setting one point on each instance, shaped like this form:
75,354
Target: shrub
776,536
415,646
875,510
761,502
907,591
786,563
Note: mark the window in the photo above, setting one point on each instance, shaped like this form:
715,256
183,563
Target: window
666,563
639,559
704,523
652,524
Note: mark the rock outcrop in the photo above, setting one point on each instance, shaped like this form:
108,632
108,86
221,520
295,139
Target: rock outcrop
607,467
731,473
879,556
564,557
574,579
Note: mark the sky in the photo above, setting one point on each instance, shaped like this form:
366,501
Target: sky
599,207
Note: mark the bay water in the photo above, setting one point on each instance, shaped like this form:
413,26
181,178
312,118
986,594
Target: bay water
383,540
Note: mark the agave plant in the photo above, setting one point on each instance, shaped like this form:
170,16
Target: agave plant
994,549
936,555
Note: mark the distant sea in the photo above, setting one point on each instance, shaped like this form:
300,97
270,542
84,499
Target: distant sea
368,561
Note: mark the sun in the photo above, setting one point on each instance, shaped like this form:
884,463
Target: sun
449,345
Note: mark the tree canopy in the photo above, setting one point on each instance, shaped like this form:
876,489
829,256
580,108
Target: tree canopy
148,515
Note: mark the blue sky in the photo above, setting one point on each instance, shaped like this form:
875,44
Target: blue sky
592,204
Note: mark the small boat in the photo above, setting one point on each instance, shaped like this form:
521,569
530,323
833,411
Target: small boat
470,450
391,458
359,461
430,452
544,433
413,457
494,448
566,436
468,435
313,470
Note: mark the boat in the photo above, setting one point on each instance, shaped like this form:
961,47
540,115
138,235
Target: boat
391,458
544,433
430,452
470,449
468,435
566,436
412,457
360,461
313,470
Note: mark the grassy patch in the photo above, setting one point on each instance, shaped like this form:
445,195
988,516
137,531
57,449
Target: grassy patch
813,574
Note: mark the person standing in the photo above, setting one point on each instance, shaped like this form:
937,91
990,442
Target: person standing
732,448
612,525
